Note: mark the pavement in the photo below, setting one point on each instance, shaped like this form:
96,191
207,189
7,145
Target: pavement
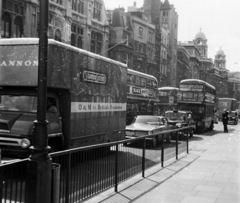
209,173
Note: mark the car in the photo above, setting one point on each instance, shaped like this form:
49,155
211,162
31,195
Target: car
233,117
148,125
181,119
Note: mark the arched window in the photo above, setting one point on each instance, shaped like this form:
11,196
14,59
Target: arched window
18,27
92,46
73,39
58,35
99,45
6,26
79,42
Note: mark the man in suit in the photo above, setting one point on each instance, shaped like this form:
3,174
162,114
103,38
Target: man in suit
225,120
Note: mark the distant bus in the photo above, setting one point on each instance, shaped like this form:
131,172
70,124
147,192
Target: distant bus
141,94
230,104
167,99
199,97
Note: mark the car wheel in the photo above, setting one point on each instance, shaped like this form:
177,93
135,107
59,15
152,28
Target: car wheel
154,141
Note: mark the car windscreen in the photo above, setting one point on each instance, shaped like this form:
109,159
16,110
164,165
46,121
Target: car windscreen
174,116
145,119
18,103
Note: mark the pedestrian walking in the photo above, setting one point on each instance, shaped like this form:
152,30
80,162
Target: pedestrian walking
225,120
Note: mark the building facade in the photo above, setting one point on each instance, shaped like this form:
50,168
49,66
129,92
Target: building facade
81,23
169,20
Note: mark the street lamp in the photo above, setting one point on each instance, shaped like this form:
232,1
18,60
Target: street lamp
40,165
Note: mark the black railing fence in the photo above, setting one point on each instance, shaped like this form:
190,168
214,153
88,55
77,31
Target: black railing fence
13,181
87,171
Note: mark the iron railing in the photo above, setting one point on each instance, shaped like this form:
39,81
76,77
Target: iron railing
13,181
87,171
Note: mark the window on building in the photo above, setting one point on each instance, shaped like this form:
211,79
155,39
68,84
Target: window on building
150,36
77,36
34,26
97,10
140,32
79,42
6,26
18,27
73,39
96,42
78,6
126,59
4,4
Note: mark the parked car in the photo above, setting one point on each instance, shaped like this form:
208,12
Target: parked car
181,119
233,117
148,125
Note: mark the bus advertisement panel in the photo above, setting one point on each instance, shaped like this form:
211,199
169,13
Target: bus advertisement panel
167,99
199,97
141,94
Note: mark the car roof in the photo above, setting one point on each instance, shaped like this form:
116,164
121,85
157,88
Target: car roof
153,116
178,111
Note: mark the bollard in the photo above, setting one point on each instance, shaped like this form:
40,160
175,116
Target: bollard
55,197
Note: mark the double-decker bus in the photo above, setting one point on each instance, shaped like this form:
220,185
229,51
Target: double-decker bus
141,94
167,99
199,97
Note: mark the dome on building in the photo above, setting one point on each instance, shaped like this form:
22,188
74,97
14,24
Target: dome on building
200,35
220,52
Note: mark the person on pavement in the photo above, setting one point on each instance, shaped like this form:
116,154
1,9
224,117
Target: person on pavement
225,120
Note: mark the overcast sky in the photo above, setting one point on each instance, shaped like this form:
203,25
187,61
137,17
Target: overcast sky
219,20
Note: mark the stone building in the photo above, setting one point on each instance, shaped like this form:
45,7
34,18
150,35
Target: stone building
121,36
81,23
144,41
183,65
220,74
169,20
152,7
194,60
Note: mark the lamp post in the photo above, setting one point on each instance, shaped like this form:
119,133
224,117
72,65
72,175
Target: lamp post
40,165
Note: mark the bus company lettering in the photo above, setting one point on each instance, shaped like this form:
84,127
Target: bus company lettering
94,77
18,63
145,92
78,107
136,90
